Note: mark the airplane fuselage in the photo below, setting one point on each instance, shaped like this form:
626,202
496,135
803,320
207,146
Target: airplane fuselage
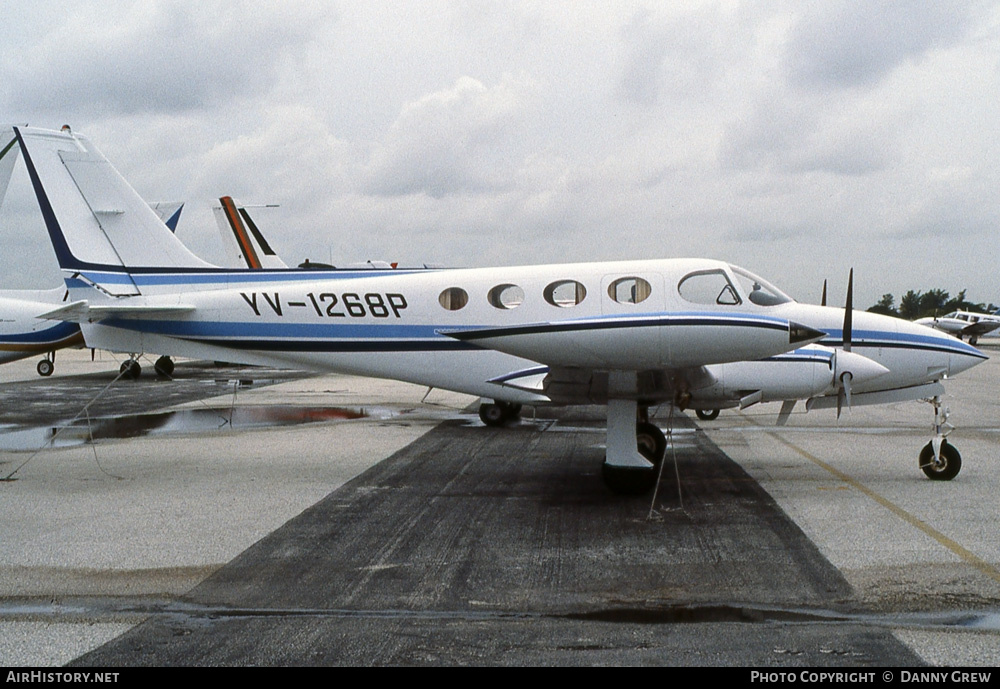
405,324
23,334
465,329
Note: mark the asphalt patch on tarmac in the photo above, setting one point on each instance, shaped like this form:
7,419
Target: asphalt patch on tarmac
201,420
50,401
489,546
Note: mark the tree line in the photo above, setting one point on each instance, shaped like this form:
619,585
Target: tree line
935,302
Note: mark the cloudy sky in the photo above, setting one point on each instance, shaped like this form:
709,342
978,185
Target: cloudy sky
794,139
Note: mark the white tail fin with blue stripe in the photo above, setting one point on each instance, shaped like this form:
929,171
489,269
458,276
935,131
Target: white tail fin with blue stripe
99,226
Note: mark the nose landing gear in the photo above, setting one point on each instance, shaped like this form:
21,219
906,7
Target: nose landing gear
939,459
498,414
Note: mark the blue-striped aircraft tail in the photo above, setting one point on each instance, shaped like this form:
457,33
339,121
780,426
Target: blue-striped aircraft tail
100,228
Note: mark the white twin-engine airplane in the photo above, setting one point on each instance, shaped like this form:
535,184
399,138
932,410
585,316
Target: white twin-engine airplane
964,324
692,332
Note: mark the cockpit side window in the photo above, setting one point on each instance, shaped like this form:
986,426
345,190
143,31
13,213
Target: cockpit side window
758,290
709,287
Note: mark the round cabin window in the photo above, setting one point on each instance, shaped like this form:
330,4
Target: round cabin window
630,290
506,296
565,293
453,298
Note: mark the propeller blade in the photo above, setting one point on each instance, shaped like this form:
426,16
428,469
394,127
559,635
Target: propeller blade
849,312
844,392
823,300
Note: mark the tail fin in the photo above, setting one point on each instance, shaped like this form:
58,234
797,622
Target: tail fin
97,223
8,156
245,245
168,212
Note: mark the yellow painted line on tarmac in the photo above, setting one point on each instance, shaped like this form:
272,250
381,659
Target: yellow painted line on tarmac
963,553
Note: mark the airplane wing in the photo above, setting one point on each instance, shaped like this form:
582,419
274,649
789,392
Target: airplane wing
915,392
646,341
980,328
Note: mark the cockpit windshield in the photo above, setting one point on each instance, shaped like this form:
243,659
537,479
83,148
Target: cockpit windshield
758,290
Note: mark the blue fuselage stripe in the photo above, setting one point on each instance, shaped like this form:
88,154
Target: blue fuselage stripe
57,333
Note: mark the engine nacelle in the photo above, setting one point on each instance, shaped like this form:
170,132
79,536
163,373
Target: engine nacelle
812,371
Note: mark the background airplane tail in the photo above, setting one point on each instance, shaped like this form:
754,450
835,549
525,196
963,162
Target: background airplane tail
8,156
244,244
98,224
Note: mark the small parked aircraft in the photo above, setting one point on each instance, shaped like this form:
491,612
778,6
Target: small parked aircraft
965,324
691,332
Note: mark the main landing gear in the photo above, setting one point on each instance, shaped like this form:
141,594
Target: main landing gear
707,414
497,414
635,449
164,367
47,365
939,459
131,369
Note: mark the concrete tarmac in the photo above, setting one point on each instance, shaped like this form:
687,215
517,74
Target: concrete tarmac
819,543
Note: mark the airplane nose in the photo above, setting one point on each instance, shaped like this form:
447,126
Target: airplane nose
801,334
958,362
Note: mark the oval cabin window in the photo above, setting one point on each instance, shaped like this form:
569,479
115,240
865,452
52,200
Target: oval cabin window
453,298
565,293
630,290
506,296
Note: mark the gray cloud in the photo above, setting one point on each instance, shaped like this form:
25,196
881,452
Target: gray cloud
464,139
158,56
851,43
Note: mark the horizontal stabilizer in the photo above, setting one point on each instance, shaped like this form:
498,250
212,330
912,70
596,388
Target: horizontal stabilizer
83,312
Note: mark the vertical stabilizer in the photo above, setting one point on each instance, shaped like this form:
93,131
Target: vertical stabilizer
168,212
245,245
98,224
8,156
